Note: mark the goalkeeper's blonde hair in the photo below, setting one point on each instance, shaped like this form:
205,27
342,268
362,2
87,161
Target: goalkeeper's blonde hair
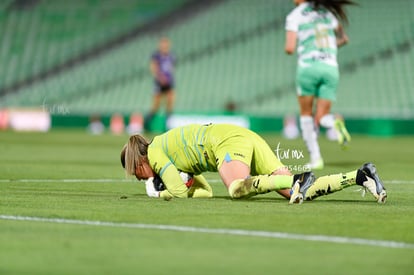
133,153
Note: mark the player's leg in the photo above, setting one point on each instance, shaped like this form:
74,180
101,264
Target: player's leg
170,101
329,184
200,188
366,176
244,176
232,170
265,162
343,135
322,112
324,118
337,123
283,171
327,95
307,85
236,176
284,184
309,134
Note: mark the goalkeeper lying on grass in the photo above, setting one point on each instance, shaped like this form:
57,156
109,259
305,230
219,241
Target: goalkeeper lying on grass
245,162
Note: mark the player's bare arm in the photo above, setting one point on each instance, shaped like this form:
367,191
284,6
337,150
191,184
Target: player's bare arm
290,44
341,37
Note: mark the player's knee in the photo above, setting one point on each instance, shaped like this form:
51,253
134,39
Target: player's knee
236,190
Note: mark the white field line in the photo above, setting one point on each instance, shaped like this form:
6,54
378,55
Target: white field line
134,180
221,231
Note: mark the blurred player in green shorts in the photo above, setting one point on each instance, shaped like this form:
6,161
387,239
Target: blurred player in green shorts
314,30
244,161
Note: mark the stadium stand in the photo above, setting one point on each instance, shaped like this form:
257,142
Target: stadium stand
48,32
232,52
129,63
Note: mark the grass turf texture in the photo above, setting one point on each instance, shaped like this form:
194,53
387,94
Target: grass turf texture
49,161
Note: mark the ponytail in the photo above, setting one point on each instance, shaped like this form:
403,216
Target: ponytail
133,153
334,6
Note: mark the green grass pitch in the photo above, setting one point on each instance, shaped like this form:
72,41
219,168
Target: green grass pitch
82,216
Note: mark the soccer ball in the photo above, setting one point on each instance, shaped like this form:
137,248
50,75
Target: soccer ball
158,184
187,179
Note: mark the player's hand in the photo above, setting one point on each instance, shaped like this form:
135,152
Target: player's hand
158,184
149,186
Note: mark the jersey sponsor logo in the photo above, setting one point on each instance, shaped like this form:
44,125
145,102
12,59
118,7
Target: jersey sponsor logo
239,154
321,57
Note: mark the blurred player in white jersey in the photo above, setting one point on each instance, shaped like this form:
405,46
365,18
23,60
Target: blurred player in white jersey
314,30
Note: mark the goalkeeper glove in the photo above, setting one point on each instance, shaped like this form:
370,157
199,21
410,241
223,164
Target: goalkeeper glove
149,186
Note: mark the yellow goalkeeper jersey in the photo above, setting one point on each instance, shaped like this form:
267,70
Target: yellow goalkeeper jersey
188,148
200,148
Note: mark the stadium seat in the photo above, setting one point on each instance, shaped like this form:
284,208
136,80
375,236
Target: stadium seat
231,52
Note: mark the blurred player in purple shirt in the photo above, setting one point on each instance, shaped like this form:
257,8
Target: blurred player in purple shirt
162,68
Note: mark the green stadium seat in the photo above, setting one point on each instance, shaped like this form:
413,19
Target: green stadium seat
241,59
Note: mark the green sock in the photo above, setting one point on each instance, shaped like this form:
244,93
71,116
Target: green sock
332,183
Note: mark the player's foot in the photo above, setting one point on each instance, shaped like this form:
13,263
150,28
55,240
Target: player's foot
301,183
241,189
343,135
315,164
368,178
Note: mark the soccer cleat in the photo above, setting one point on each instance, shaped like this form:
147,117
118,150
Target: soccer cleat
343,135
301,184
368,178
315,165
